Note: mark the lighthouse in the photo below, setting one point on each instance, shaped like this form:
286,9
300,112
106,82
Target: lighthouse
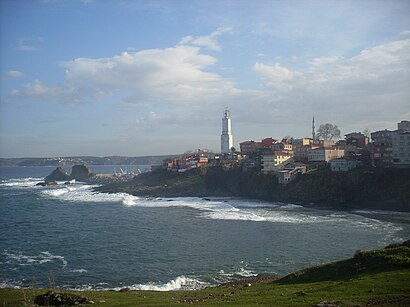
226,136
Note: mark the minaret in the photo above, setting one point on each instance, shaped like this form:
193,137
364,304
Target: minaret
313,131
226,136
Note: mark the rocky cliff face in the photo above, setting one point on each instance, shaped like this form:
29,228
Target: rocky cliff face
59,174
78,172
81,173
385,189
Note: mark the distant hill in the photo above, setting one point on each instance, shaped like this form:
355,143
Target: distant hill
88,160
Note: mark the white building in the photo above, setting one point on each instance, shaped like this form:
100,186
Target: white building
274,161
324,154
226,137
404,125
401,148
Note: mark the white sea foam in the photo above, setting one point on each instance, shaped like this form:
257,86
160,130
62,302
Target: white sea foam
20,182
215,208
19,258
78,270
179,283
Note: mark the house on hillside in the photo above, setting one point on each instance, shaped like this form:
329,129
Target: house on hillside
274,160
325,154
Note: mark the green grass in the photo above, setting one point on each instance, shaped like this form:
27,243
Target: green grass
383,280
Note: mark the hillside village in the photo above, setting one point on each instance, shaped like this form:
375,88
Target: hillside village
289,158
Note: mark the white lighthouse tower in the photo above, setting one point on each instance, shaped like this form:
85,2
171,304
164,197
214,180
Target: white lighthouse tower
226,136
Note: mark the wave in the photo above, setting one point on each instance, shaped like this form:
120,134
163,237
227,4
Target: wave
20,182
19,258
179,283
78,270
210,208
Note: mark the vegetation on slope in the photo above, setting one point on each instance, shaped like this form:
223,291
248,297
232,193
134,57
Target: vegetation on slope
382,280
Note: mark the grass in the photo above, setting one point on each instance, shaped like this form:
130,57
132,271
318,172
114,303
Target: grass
383,280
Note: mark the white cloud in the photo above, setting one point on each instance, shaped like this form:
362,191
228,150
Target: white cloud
12,74
207,41
38,91
174,88
369,87
324,60
276,76
29,44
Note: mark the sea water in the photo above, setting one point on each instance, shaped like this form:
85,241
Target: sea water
69,236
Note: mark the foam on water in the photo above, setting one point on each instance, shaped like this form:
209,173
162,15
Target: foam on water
218,209
17,257
20,182
179,283
210,208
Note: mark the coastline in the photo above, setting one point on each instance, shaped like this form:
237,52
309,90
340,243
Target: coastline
355,190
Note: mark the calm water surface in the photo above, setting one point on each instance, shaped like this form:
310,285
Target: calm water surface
72,237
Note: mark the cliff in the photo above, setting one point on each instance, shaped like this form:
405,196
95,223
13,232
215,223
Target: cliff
375,188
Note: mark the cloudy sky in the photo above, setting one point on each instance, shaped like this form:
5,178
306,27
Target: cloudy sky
101,77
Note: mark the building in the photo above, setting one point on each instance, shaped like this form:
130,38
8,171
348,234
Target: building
404,125
325,154
401,148
301,153
326,143
249,147
302,142
226,136
268,142
357,139
286,176
381,151
273,161
342,165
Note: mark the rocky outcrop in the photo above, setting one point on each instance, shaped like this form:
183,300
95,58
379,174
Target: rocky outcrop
81,173
372,188
46,183
59,174
52,298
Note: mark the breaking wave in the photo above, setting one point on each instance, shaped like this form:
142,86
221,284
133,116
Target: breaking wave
210,208
20,182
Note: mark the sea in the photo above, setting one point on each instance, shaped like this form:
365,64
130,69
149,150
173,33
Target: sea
71,237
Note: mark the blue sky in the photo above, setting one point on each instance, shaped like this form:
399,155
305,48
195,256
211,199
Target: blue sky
100,77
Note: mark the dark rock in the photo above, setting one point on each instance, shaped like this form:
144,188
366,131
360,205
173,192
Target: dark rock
80,173
52,298
46,183
406,243
59,174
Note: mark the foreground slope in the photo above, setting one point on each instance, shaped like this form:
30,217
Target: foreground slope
377,278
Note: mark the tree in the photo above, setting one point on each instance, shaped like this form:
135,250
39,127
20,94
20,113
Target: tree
366,132
328,132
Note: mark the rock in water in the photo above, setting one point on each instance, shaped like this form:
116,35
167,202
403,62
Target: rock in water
46,183
59,174
80,173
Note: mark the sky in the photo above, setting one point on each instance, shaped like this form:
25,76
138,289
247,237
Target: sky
135,78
